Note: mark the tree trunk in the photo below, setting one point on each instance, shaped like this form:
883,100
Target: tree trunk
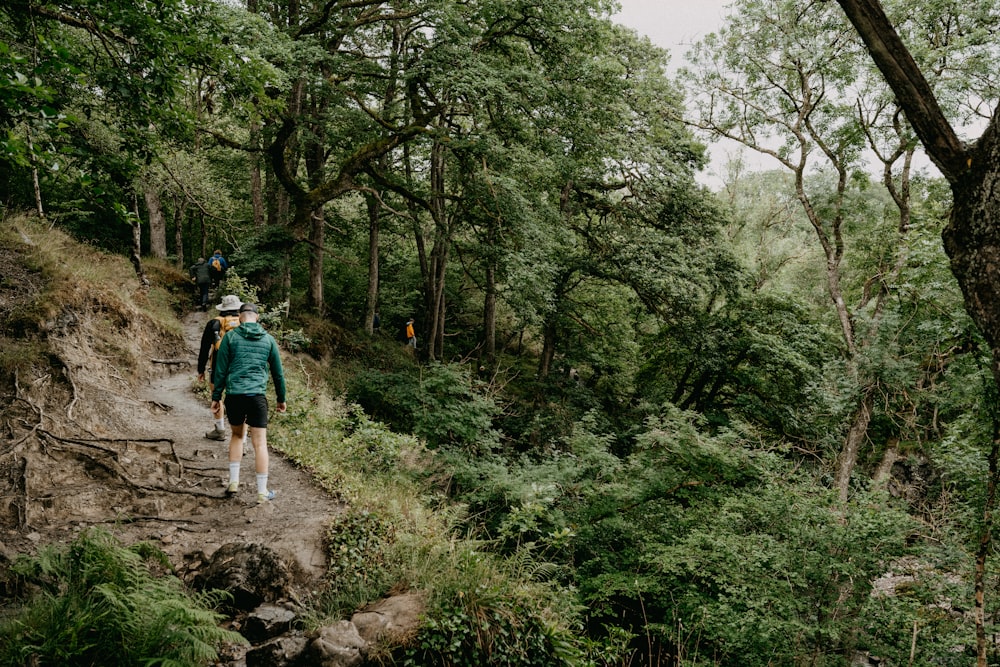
256,184
548,350
371,298
439,255
136,257
203,235
34,178
317,229
856,435
985,546
180,212
489,352
157,223
884,472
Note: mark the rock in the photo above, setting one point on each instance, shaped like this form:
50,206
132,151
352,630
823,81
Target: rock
337,645
267,621
281,652
252,573
392,620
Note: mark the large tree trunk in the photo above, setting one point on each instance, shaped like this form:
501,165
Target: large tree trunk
157,223
371,298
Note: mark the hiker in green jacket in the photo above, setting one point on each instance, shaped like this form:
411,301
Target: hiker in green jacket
241,367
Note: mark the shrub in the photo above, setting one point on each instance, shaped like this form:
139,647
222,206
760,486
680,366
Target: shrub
442,405
96,602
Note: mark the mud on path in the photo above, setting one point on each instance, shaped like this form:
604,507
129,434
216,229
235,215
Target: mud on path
155,477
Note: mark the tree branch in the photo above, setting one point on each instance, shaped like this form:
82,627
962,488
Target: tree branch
911,88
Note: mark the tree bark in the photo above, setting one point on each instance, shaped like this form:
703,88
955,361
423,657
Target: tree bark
34,178
136,257
180,212
489,352
856,435
371,298
157,223
256,182
439,255
548,350
317,233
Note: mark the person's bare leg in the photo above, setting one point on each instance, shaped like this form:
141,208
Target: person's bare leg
258,436
235,455
236,442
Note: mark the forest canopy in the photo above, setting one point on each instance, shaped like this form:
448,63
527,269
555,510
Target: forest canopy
722,418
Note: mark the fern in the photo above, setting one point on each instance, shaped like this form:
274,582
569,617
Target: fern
97,602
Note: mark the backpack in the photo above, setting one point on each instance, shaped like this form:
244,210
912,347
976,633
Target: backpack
216,264
226,324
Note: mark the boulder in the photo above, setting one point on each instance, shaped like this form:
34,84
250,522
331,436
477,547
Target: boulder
252,573
393,620
267,621
337,645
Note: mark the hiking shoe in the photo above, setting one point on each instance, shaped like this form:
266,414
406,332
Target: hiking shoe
216,434
265,497
232,488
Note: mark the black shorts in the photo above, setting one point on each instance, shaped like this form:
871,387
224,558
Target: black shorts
249,410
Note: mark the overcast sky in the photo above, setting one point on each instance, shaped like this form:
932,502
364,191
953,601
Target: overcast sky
673,24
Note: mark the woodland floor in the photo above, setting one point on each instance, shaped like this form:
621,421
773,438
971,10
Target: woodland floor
154,476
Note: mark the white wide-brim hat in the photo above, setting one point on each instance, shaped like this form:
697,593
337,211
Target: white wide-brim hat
230,302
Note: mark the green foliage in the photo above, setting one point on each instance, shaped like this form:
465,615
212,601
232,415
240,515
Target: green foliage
95,601
439,402
717,550
483,609
488,610
356,543
236,284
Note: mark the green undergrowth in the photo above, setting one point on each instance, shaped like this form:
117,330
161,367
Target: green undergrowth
399,533
97,602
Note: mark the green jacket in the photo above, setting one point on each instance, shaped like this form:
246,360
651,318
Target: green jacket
242,361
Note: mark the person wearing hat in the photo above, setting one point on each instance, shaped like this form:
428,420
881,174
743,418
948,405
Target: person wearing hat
241,369
215,330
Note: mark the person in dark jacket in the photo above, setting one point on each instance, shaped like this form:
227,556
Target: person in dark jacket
242,362
202,277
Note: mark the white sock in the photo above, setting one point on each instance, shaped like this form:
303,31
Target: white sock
262,483
234,471
220,424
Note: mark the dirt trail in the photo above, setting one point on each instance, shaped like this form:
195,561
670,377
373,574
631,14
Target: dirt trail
292,524
165,483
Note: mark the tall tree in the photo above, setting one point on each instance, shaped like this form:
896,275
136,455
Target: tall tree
786,81
972,236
